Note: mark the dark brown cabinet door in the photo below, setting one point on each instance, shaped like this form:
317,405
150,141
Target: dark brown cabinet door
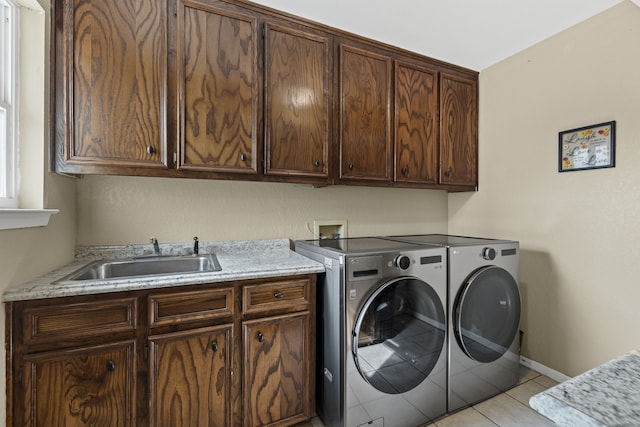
276,370
114,88
190,378
81,388
297,108
458,131
365,96
416,138
218,87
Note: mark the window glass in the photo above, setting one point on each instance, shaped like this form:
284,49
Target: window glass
8,85
399,335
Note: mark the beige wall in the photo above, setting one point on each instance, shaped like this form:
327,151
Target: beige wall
28,253
578,230
116,210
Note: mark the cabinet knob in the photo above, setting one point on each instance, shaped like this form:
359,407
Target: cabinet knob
278,295
350,166
405,170
260,337
150,149
111,366
243,157
214,346
317,163
448,172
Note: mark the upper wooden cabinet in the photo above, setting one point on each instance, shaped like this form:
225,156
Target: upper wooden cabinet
297,109
111,84
228,89
416,125
458,131
365,119
217,74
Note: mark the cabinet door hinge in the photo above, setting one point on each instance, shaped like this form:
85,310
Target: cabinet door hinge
146,351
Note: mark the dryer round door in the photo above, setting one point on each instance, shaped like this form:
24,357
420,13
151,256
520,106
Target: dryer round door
399,334
486,314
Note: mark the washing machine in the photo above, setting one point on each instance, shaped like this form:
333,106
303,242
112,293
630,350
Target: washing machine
484,316
382,335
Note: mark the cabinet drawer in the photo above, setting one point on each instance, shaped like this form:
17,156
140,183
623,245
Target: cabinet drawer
275,295
175,308
70,321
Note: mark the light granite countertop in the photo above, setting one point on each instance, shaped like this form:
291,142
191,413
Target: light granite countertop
240,260
608,395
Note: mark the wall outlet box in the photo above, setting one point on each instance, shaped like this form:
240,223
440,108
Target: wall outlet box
329,229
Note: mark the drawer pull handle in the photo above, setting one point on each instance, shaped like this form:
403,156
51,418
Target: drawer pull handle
111,366
214,346
260,337
278,295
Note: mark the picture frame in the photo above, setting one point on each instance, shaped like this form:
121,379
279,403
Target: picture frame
587,147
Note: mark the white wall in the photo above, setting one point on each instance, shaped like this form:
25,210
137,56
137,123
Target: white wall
579,231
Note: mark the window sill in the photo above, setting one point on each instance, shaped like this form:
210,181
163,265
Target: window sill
25,218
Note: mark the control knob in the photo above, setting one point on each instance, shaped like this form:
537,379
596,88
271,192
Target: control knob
402,262
489,254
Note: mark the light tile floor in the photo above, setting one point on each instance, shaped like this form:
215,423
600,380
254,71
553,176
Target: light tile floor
509,409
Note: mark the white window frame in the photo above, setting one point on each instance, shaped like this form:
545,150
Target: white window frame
11,216
9,28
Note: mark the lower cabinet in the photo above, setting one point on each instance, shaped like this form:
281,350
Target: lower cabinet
190,378
276,370
93,386
232,354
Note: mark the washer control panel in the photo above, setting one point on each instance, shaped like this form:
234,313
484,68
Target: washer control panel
402,262
489,254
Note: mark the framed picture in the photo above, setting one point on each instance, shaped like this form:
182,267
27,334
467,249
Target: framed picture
589,147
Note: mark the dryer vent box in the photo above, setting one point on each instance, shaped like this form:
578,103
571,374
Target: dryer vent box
336,229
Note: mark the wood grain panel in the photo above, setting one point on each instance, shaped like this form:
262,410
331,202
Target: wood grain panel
458,131
119,82
269,296
180,307
365,97
72,321
296,102
416,143
191,378
276,370
219,82
81,388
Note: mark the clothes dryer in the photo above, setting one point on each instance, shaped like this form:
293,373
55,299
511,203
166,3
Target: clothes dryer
381,332
484,316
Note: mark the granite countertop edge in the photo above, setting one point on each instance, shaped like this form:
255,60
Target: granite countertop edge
603,396
240,260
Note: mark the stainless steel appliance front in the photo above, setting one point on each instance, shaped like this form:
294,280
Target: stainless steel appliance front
382,333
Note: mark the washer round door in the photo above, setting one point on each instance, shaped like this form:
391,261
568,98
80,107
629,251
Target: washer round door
399,334
486,314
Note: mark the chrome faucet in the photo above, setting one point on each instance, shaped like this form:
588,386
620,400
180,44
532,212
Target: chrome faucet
156,247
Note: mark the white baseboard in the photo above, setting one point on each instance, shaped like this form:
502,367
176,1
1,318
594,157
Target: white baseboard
544,370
